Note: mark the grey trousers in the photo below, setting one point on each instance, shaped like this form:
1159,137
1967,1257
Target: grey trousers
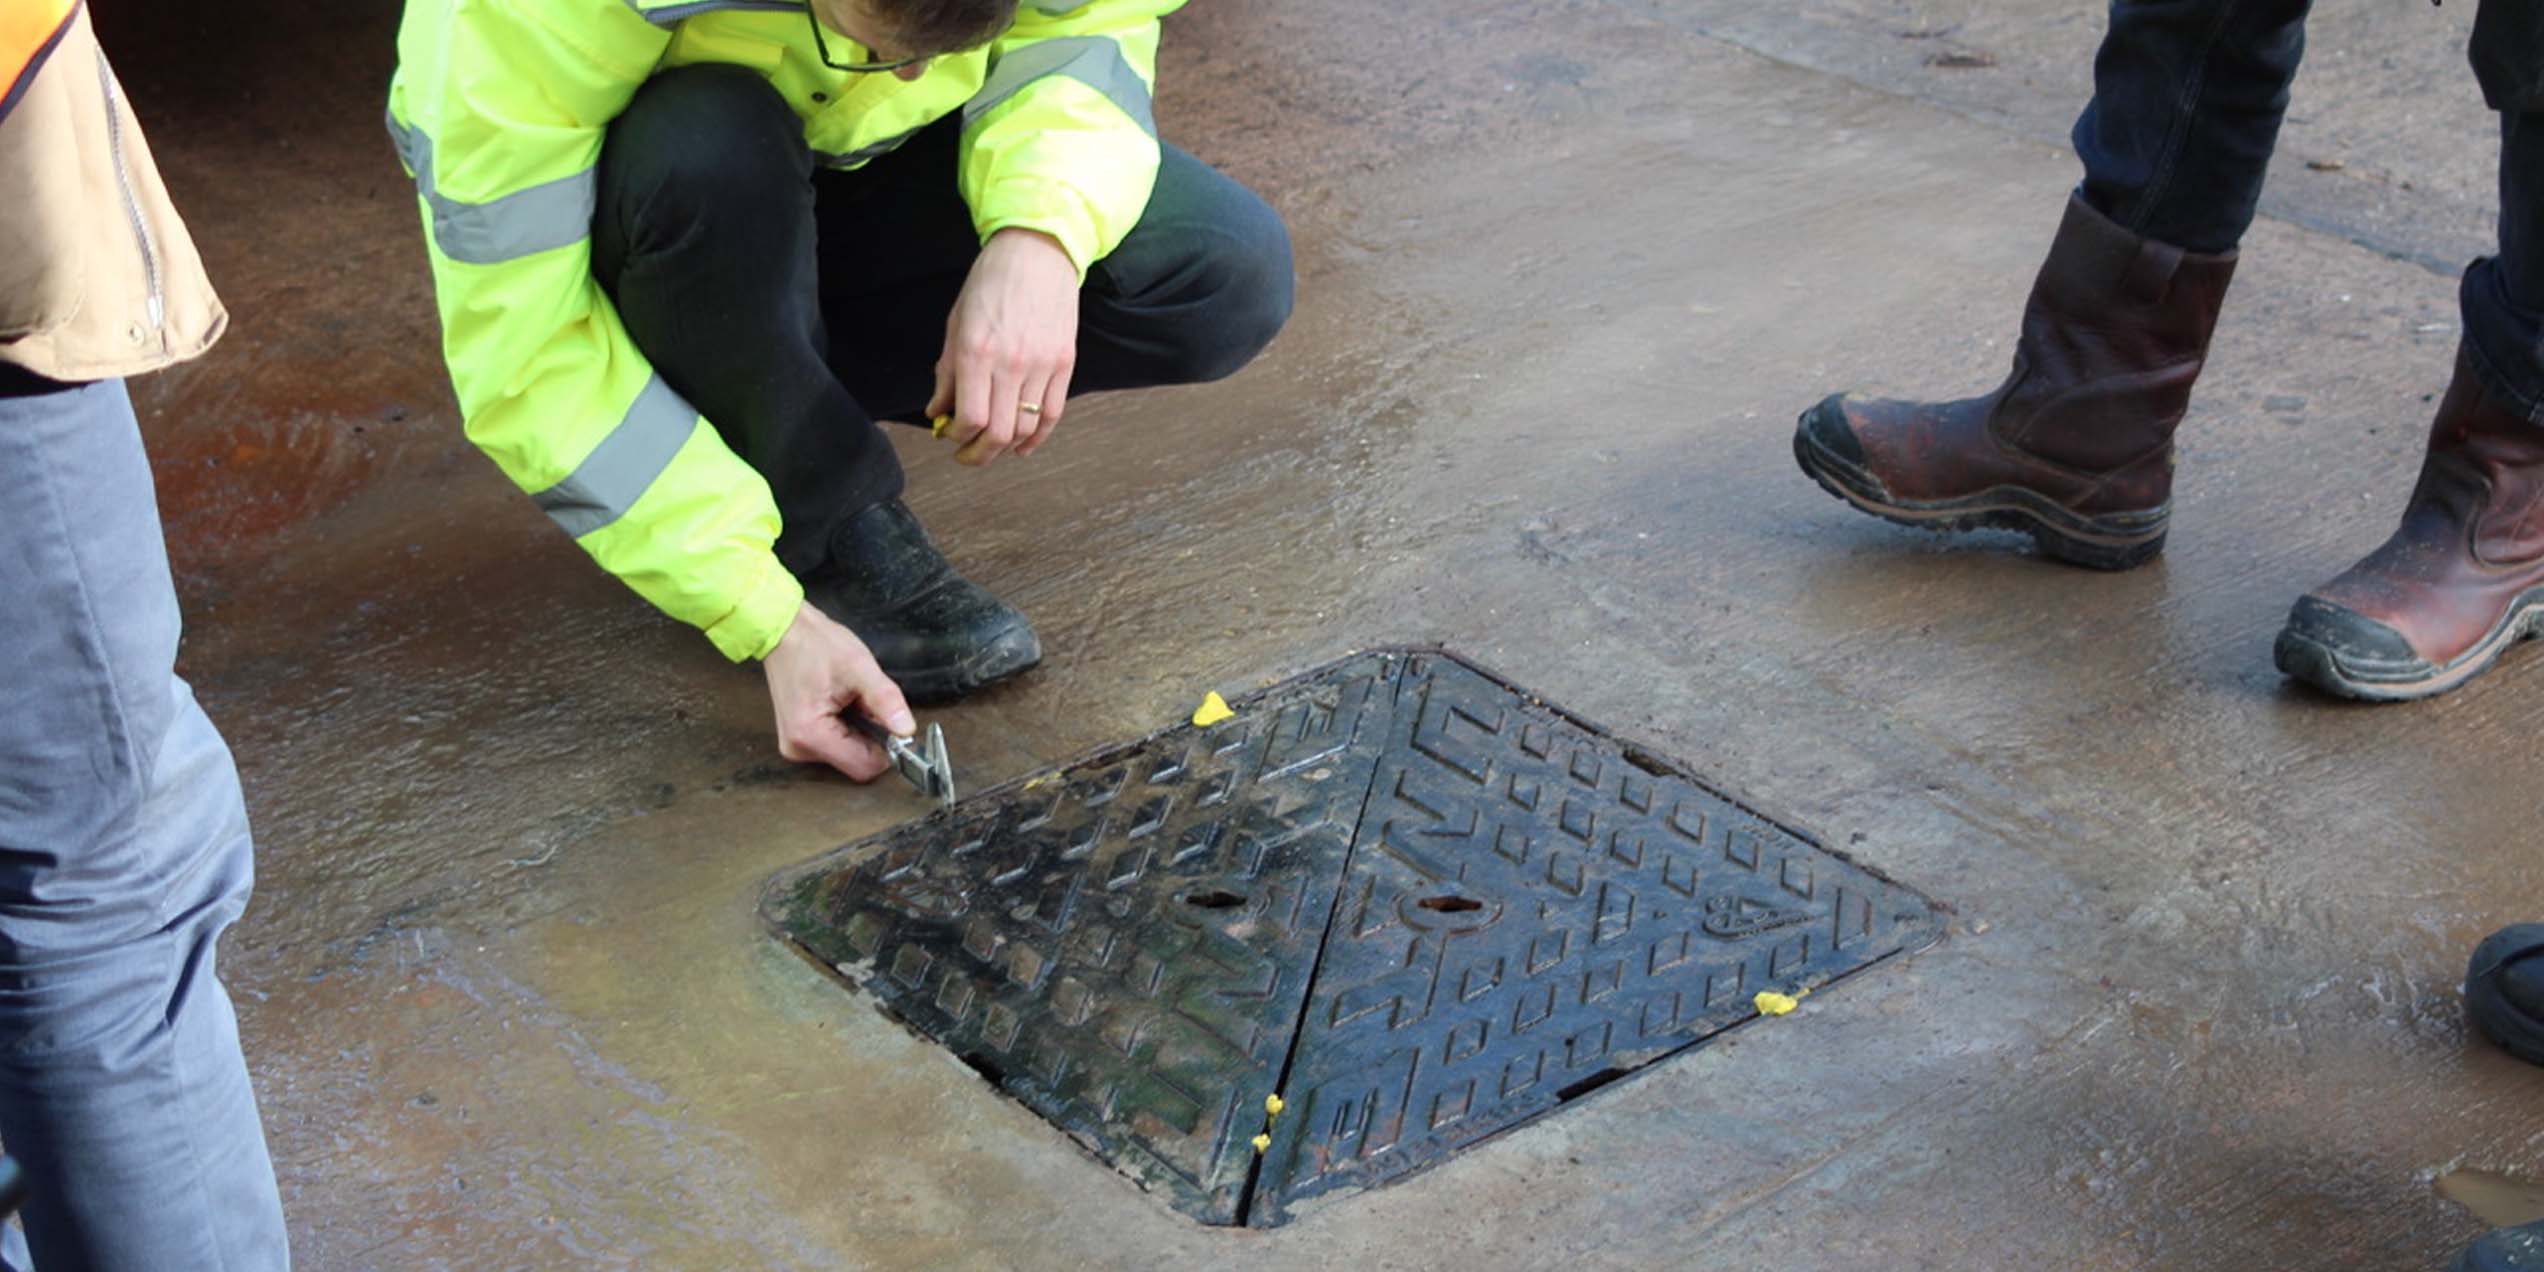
124,853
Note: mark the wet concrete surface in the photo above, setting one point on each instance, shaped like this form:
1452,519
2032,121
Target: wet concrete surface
1568,269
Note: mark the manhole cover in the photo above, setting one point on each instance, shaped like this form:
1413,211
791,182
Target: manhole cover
1412,901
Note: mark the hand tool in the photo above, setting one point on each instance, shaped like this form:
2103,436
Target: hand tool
925,767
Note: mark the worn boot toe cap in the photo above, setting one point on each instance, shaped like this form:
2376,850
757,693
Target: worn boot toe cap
2338,649
1826,427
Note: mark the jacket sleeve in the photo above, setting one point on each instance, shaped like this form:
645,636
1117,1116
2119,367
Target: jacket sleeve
498,109
1061,138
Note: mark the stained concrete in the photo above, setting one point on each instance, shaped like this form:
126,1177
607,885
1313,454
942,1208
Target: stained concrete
1568,269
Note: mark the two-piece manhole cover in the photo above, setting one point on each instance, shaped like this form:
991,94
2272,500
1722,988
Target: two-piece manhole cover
1412,902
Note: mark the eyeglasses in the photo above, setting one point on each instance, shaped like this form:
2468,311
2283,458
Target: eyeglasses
822,48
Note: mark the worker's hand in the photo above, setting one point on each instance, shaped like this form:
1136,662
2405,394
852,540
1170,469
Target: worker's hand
1011,342
818,670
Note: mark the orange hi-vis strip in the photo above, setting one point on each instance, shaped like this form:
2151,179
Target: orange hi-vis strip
28,30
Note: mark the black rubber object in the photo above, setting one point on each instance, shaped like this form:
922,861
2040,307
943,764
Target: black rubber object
2504,990
2518,1249
939,635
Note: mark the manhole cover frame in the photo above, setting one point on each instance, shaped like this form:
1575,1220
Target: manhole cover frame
1271,1180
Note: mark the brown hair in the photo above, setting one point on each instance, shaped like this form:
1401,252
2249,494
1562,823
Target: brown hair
946,26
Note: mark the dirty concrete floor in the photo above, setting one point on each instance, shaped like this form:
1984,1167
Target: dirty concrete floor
1568,269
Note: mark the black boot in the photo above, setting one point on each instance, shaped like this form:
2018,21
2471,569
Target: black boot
2504,993
2504,990
2518,1249
939,635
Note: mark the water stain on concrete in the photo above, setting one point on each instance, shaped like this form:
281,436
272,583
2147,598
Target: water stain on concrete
2497,1198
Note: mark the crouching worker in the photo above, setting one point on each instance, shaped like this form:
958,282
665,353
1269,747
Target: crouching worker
689,252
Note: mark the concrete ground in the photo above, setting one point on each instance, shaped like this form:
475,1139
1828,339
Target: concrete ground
1569,268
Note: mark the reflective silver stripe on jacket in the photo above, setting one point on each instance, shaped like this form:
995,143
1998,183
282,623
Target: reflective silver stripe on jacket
623,467
663,15
868,152
1093,60
549,215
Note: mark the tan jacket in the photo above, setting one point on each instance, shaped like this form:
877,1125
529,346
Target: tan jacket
97,275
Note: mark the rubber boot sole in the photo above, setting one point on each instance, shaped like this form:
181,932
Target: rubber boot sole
1006,657
2121,541
2318,659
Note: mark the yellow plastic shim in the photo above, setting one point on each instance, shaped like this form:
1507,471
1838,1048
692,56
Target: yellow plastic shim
1213,709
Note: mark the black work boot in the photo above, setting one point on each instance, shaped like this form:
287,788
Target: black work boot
2504,990
2518,1249
2076,447
2504,993
939,635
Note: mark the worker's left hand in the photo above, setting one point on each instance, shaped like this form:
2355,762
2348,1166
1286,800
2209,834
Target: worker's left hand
1011,342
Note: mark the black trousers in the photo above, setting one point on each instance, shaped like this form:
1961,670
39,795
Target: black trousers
2188,96
796,306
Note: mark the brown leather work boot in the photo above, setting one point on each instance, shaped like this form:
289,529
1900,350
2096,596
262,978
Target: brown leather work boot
2076,447
2457,584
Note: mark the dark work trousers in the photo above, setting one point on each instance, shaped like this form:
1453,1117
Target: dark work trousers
2188,95
796,306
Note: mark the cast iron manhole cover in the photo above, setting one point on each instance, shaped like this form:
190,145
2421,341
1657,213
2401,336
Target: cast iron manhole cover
1414,902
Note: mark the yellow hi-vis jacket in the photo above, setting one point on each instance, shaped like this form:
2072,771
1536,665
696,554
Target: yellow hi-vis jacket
498,110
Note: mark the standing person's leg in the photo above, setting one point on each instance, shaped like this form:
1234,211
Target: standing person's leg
2504,295
2076,447
2188,98
124,854
705,237
2462,578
